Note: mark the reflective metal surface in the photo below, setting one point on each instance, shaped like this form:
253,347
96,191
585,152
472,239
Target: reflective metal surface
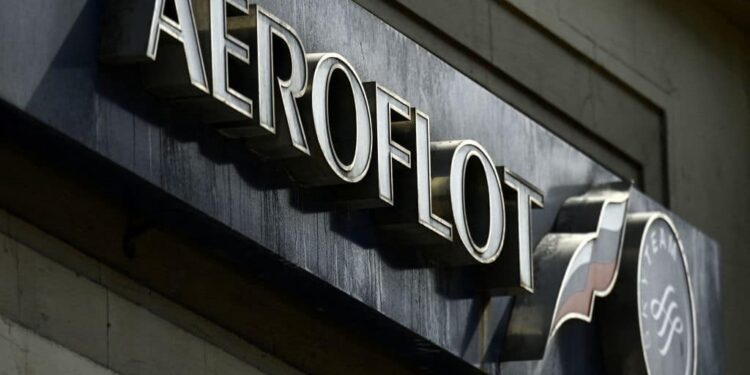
182,29
513,272
471,198
332,81
271,30
425,183
224,45
325,65
384,104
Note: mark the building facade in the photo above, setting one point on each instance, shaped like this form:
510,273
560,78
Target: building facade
337,186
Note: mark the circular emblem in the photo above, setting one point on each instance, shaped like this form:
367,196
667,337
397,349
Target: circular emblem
665,301
650,317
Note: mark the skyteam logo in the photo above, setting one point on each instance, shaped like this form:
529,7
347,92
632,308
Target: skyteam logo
652,303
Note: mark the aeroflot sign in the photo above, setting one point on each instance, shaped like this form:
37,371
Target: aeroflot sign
377,132
313,112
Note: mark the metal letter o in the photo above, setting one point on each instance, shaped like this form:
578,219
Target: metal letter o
357,169
490,250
